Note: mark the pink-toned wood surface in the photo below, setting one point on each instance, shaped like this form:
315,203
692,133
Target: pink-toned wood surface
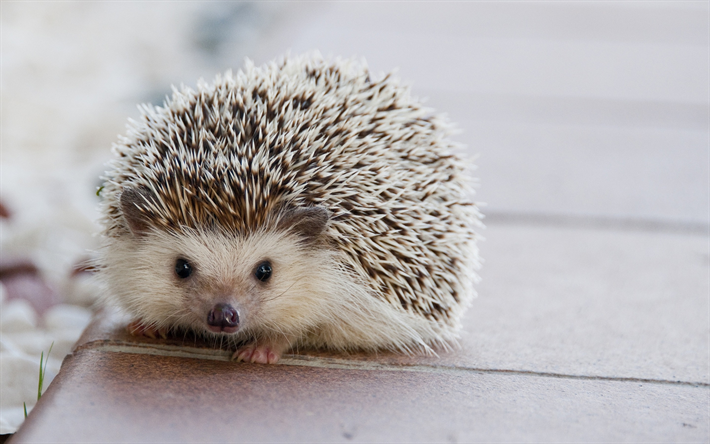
116,388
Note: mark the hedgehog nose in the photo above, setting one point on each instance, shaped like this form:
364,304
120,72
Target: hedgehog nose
223,318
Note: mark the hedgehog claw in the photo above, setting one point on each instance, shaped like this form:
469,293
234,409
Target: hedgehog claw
257,354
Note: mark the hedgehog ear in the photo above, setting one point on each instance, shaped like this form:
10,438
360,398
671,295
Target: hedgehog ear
308,222
133,204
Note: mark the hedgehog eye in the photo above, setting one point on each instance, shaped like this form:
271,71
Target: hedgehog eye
183,268
263,271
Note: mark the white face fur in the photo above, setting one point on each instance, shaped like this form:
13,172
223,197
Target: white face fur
142,273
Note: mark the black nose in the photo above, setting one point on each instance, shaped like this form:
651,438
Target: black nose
223,316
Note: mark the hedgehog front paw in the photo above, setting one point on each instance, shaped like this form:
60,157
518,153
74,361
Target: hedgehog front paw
259,354
137,328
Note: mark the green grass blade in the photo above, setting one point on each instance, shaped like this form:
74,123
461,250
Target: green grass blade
43,371
24,404
41,376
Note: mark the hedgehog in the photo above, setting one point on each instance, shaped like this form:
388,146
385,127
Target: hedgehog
301,203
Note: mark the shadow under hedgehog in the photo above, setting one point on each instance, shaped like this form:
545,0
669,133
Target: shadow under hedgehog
296,204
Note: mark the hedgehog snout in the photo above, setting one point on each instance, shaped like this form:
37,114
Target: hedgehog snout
223,318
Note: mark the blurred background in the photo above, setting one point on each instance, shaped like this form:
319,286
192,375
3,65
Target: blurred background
580,113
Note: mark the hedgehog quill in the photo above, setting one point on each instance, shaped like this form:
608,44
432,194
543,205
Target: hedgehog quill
296,204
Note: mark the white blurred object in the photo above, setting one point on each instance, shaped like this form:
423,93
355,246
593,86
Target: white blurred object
66,317
23,371
23,340
81,289
17,316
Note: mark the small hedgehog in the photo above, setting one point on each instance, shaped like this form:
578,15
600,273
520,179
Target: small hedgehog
297,204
